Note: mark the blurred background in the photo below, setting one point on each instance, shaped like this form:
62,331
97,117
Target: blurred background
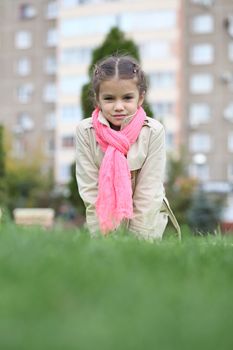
47,49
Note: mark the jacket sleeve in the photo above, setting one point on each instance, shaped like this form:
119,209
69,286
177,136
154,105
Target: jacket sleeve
149,190
86,176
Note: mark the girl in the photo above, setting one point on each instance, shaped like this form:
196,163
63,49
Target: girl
120,157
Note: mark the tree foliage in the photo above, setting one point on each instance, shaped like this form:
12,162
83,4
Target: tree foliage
26,184
114,43
27,187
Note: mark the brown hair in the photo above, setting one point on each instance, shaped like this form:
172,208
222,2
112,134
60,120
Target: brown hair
120,66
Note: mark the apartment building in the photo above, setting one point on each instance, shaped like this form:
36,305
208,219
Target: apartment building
28,40
208,92
83,24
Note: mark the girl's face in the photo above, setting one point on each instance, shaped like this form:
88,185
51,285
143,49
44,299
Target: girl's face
119,99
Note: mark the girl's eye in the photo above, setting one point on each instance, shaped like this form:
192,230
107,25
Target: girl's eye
108,98
128,97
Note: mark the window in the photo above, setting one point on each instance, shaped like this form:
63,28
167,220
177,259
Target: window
50,92
227,78
230,142
199,142
228,112
163,108
17,129
18,147
71,113
202,54
162,80
64,172
52,37
199,158
49,145
68,141
23,39
203,2
24,93
23,67
229,25
72,85
25,122
69,3
148,20
230,172
230,51
72,3
201,83
199,171
202,24
169,140
199,113
50,65
156,49
52,10
76,55
50,121
88,25
27,11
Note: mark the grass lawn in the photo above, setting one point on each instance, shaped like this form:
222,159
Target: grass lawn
64,290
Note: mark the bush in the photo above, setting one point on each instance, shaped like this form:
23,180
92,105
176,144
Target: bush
203,215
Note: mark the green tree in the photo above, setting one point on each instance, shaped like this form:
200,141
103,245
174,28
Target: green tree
114,43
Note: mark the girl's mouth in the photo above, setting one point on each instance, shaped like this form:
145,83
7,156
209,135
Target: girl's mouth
119,116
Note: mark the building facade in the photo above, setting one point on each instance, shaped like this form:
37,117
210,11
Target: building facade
83,24
208,91
28,41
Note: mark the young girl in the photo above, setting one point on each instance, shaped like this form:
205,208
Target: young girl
120,157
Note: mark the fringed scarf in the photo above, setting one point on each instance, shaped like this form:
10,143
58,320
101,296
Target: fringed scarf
114,201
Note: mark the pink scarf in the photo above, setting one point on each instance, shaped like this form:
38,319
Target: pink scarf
114,201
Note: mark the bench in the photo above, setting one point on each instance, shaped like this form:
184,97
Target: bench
34,216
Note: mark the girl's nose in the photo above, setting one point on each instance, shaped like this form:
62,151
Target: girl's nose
118,106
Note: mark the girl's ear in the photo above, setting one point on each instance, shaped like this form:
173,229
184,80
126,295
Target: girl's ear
141,99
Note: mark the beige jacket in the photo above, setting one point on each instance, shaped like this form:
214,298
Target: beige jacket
146,160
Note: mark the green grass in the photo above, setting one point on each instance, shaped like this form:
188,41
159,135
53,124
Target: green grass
64,290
